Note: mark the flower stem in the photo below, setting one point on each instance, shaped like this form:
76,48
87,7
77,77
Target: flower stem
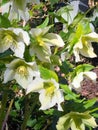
26,114
7,114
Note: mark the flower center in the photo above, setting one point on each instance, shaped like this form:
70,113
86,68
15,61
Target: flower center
22,70
49,87
8,39
40,41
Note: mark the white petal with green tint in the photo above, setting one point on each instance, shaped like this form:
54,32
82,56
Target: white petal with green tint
54,39
84,46
88,51
90,75
15,39
5,8
8,75
78,126
35,85
90,122
18,49
51,95
76,83
92,37
41,53
22,34
39,31
22,72
19,4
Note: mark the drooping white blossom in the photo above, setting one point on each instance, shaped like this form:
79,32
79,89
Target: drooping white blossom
43,42
17,9
49,93
15,39
21,71
84,46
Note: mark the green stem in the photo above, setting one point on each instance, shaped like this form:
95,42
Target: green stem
3,106
26,114
7,114
96,109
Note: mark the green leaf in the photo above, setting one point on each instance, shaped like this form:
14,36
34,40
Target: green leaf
45,23
4,22
4,1
49,112
47,74
53,2
89,103
83,68
69,94
17,105
55,60
31,122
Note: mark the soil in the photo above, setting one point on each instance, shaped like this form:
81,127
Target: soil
90,88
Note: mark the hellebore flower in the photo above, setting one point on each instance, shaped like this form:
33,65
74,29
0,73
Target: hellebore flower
49,93
76,121
22,72
15,39
84,46
76,83
17,9
43,42
68,12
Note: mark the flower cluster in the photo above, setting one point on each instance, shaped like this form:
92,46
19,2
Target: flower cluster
29,57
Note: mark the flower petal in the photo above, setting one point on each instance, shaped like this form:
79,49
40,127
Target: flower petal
91,75
35,85
5,7
23,34
92,37
77,80
39,31
88,51
18,49
42,54
8,75
54,39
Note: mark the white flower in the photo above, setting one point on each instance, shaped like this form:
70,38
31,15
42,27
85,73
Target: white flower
15,39
49,91
17,9
21,71
84,46
43,41
76,83
69,12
